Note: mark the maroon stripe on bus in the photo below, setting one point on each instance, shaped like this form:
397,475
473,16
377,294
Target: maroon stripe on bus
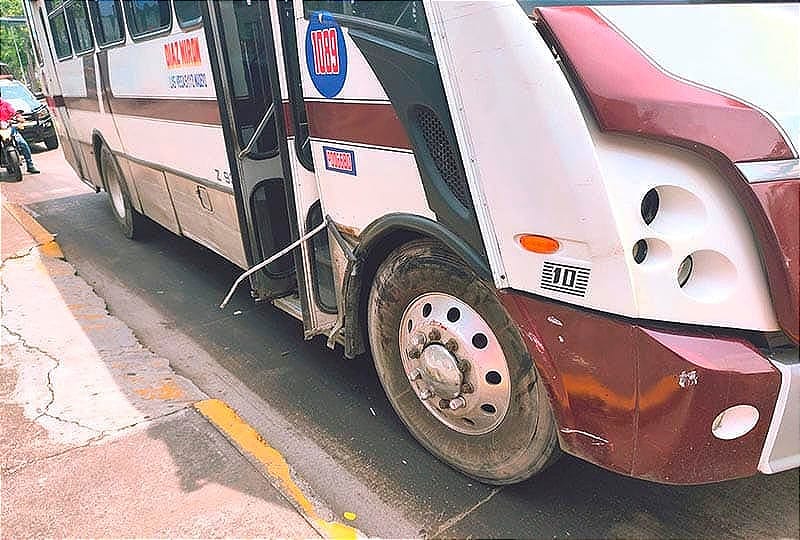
288,119
56,101
375,124
196,111
81,103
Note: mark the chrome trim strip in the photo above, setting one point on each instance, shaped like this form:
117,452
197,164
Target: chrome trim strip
784,429
766,171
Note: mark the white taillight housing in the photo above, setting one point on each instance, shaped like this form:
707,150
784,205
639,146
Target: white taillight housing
692,257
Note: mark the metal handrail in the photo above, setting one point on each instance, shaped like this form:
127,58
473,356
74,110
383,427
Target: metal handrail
261,125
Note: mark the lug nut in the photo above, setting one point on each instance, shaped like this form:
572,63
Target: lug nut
467,388
452,345
463,365
434,335
425,393
414,352
419,340
444,404
457,403
415,374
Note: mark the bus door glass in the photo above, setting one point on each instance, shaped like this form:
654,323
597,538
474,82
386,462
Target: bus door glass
322,297
246,58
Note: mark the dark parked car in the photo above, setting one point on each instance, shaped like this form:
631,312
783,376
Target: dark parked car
38,125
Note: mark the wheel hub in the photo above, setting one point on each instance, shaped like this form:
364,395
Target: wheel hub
454,363
440,371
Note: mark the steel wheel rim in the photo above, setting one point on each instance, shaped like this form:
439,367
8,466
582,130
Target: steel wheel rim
454,363
115,190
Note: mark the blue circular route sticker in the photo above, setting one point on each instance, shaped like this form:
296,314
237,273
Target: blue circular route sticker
326,54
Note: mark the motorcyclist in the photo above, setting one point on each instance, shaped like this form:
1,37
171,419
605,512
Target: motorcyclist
7,113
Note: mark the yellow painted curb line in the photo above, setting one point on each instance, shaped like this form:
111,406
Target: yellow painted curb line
43,238
248,440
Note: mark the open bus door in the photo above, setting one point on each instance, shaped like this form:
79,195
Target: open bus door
243,49
275,206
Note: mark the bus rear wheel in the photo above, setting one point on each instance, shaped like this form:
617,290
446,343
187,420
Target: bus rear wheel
455,368
129,220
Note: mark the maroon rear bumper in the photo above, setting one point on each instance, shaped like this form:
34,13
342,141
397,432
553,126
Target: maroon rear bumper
641,401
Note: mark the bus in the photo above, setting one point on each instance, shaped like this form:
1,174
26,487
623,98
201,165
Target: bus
555,228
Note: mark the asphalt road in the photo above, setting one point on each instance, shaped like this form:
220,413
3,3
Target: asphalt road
330,419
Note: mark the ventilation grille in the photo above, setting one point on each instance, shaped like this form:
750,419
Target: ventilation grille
444,155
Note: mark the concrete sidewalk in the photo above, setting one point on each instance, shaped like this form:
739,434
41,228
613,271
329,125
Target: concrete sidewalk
100,438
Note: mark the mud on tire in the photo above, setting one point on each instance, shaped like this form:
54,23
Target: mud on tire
525,440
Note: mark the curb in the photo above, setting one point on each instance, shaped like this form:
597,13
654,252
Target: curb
219,414
44,239
272,464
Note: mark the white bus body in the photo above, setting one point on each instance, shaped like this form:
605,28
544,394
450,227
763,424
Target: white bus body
553,226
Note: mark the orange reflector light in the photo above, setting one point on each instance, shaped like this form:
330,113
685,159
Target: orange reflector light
538,244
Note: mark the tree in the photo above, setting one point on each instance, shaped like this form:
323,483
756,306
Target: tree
14,39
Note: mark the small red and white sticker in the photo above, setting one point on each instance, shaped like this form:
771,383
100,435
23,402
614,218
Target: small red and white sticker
336,159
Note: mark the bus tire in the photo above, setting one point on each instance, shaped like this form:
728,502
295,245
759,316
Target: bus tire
436,328
129,220
12,164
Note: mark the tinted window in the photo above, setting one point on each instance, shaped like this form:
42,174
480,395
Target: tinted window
58,25
147,16
188,12
107,16
407,15
79,27
242,27
52,4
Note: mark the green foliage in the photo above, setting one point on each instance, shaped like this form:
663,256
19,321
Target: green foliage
14,39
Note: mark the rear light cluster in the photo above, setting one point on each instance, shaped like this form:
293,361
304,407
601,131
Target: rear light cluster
673,212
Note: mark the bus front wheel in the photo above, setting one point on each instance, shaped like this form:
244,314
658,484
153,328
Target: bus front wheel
455,368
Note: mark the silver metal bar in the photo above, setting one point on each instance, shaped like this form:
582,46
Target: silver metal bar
261,125
278,255
769,171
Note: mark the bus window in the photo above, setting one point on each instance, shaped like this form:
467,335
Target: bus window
147,17
52,4
188,13
406,15
107,18
302,140
321,265
81,32
58,25
248,71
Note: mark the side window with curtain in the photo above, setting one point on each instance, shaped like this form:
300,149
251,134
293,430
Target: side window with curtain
146,17
107,19
79,28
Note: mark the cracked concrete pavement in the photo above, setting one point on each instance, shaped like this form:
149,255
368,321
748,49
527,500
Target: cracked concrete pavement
98,436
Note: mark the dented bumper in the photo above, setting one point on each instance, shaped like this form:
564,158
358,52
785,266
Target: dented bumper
647,402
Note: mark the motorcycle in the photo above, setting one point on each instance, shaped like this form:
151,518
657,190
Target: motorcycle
9,153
